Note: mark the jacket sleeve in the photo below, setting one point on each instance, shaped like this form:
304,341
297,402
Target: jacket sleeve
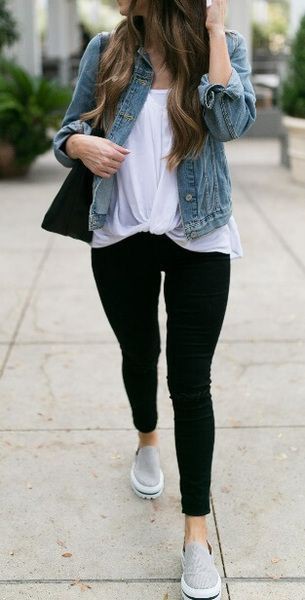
229,111
83,100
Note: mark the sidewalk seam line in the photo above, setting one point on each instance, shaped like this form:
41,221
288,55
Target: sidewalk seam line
93,429
25,305
219,543
151,580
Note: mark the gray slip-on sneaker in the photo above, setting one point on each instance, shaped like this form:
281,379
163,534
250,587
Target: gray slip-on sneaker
200,579
146,476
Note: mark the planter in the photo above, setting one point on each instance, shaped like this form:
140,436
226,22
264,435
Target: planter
296,146
8,165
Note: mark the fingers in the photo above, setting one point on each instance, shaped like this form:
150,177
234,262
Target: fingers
113,159
110,170
115,155
112,163
119,148
106,160
102,170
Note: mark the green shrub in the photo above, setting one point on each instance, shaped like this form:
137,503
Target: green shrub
260,37
8,27
271,35
292,95
29,107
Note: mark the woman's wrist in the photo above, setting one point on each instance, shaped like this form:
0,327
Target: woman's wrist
73,144
216,32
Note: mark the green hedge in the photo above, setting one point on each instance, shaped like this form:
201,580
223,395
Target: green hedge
292,95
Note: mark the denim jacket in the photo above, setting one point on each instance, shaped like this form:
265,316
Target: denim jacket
204,183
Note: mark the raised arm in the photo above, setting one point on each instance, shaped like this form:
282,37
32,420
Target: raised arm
228,104
226,92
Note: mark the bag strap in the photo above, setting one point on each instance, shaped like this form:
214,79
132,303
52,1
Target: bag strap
104,39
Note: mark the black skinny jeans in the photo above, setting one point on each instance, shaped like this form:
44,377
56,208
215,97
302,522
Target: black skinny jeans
196,287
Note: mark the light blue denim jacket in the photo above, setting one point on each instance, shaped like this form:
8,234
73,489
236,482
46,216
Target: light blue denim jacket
204,183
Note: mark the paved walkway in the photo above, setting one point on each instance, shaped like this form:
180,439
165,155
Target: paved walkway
71,527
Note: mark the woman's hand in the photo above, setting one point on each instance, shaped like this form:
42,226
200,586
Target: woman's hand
100,155
216,14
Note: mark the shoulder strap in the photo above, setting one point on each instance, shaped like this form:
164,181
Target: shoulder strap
104,39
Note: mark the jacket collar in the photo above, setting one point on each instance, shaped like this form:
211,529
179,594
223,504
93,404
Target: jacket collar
144,55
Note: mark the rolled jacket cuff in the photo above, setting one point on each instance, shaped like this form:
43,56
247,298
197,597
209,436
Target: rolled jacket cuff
63,134
207,90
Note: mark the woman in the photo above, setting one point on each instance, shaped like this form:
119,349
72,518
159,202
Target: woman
171,84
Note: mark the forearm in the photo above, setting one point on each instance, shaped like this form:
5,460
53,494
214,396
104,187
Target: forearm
227,96
220,67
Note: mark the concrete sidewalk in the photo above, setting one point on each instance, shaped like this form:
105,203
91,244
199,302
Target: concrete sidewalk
71,526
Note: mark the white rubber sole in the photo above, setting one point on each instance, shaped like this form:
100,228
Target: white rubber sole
188,593
144,491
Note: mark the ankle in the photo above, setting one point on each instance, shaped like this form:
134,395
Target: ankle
202,539
148,439
195,529
196,538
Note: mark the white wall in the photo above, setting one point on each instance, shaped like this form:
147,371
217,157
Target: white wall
27,51
239,17
63,35
297,10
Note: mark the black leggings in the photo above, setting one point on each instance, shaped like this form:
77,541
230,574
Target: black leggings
196,287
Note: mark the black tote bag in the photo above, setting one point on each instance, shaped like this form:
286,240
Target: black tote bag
68,213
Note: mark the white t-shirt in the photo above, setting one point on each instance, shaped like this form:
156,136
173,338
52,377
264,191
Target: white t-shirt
145,193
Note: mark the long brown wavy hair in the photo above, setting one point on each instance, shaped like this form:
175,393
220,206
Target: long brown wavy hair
180,27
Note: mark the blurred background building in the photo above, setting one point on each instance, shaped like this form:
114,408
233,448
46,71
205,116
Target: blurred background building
55,29
54,33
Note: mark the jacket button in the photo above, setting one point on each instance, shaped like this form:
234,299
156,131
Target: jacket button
188,197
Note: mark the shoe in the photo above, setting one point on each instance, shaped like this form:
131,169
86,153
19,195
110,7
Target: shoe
200,579
146,476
